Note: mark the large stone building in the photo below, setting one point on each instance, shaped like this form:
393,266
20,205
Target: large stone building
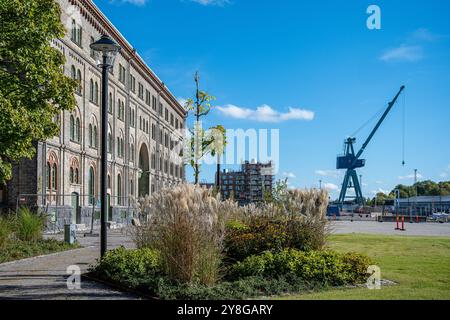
145,128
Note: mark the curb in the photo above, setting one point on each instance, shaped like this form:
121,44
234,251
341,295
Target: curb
42,256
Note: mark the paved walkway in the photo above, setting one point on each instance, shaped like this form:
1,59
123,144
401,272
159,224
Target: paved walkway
45,277
372,227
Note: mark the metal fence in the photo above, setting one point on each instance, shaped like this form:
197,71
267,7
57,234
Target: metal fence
82,210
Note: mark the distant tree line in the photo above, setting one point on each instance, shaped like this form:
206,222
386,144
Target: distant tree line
422,188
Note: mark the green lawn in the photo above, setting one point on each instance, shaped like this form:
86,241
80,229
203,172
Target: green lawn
420,266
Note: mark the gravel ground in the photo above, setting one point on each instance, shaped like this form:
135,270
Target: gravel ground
46,278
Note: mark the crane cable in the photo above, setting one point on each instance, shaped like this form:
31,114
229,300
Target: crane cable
403,129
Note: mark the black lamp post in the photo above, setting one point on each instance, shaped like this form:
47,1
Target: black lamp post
108,49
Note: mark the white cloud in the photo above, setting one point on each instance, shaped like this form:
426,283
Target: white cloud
424,34
328,173
410,176
404,53
330,187
375,192
265,113
289,175
212,2
135,2
443,175
379,182
182,101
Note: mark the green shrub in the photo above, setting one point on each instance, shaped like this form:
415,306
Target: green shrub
28,226
261,234
130,267
15,250
323,267
271,234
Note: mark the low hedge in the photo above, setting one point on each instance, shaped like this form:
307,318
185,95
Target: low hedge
324,267
267,234
129,267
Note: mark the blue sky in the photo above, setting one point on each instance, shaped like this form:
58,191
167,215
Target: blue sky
317,58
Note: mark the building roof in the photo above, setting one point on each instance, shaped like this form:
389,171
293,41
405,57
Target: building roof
104,25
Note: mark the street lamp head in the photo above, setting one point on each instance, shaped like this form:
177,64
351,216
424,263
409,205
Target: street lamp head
109,49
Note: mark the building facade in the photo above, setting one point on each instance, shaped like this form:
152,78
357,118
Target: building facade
144,131
249,184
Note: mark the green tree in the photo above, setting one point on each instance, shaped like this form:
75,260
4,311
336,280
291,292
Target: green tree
33,88
203,142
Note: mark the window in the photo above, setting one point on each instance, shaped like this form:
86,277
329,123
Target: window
176,123
122,73
76,33
119,189
110,139
160,109
79,87
141,91
171,119
132,83
93,54
153,161
49,176
121,110
131,187
77,130
54,177
110,103
91,90
148,97
96,92
91,136
146,127
154,103
74,172
95,137
72,127
91,186
131,114
166,115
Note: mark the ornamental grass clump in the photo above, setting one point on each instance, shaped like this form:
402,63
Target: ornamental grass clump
186,224
28,226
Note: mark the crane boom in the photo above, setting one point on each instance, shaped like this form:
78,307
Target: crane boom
351,161
391,104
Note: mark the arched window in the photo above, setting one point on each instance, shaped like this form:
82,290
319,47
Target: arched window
110,103
77,176
95,137
73,34
77,130
79,81
72,127
91,185
91,136
91,90
73,73
55,177
49,176
118,148
109,181
92,50
71,175
96,92
131,187
119,189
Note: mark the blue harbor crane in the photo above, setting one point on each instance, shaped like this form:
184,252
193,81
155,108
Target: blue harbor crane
351,161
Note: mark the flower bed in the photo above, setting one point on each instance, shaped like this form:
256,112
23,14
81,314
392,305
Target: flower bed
192,245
